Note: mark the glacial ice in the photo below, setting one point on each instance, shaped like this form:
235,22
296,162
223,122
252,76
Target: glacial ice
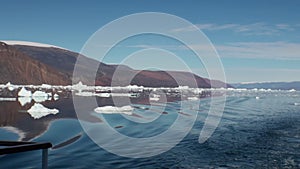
38,111
24,93
40,96
193,98
114,110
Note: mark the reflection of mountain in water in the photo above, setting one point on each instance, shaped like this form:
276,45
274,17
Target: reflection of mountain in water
13,114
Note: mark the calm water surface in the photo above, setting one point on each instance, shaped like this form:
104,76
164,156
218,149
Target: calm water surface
257,130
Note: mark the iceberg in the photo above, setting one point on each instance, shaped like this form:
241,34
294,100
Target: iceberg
40,96
114,110
38,111
24,93
10,86
79,86
55,96
193,98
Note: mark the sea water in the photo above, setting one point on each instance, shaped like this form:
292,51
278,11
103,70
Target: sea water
258,129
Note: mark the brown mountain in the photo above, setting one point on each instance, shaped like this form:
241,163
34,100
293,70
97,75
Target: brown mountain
19,68
22,64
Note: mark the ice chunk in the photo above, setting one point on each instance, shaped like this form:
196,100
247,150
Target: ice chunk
40,96
297,104
79,86
193,98
257,98
154,98
103,94
10,86
24,93
46,86
292,90
55,96
114,110
38,111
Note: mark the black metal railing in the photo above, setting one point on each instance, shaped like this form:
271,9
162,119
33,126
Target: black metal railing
20,146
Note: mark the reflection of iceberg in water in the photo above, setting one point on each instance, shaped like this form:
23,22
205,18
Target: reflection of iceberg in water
38,111
24,93
24,100
7,99
115,110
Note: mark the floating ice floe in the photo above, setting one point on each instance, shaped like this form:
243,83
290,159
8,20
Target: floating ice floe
79,86
40,96
114,110
10,86
55,96
46,86
154,98
257,98
297,104
38,111
24,93
193,98
292,90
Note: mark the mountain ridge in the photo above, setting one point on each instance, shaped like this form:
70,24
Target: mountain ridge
60,63
269,85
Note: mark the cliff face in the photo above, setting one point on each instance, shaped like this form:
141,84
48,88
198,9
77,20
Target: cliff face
37,65
18,68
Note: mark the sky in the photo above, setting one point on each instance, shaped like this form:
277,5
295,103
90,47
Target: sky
257,40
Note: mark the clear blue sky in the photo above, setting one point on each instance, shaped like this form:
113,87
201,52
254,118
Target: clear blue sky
257,40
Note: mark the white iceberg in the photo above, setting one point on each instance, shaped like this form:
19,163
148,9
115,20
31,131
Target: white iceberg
103,94
79,86
38,111
114,110
24,93
46,86
40,96
10,86
55,96
154,98
193,98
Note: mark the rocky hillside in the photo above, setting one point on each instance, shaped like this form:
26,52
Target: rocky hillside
22,64
19,68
